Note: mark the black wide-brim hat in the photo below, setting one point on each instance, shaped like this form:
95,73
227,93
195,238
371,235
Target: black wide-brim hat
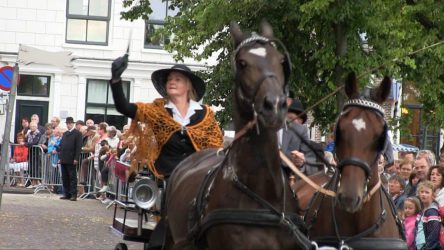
160,77
297,108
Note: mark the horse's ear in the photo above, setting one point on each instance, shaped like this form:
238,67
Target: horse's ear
351,86
266,29
383,91
236,33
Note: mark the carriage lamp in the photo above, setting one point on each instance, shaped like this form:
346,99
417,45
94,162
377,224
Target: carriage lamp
146,193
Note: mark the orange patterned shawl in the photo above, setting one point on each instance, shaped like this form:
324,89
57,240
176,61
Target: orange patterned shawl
153,126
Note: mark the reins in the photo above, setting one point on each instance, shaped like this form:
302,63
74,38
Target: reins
304,177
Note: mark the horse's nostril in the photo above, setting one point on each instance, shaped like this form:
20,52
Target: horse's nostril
268,103
358,201
340,197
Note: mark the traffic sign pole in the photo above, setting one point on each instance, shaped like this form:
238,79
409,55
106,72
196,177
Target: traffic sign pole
6,134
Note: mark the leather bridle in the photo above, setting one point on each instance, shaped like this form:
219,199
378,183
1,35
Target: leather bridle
356,161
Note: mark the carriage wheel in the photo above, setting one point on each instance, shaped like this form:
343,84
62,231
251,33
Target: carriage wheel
121,246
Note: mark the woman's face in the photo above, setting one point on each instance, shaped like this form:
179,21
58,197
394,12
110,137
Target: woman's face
49,131
177,85
394,187
33,126
415,180
436,178
405,171
25,124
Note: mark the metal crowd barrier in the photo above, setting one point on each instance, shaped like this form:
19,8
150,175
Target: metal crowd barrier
87,176
52,176
28,171
15,171
44,168
116,186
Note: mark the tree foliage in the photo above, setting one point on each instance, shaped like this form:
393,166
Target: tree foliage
326,39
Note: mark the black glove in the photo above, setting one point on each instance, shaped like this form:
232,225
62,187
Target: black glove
119,65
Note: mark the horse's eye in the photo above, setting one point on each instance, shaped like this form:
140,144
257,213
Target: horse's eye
241,64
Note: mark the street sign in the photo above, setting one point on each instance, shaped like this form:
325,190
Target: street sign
6,73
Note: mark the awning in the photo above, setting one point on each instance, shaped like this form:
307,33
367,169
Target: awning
405,148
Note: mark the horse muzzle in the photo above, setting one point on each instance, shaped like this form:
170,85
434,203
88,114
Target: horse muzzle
272,111
350,203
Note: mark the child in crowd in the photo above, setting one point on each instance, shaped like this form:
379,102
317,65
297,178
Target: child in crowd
130,150
19,160
412,207
54,142
428,223
103,155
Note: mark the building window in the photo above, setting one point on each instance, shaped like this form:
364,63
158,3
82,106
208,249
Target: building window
100,104
34,85
156,20
88,21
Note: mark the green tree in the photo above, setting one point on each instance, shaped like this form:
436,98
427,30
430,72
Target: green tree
326,39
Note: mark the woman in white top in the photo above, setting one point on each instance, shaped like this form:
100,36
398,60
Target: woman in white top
435,175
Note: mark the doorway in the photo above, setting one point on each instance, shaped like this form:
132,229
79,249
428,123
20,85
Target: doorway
27,109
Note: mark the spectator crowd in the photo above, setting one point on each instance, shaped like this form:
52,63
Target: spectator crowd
101,145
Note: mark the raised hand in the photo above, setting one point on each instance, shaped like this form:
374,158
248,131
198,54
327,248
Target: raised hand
118,67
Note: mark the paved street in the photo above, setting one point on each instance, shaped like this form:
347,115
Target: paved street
43,221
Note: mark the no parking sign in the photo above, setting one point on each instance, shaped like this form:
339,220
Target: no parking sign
6,73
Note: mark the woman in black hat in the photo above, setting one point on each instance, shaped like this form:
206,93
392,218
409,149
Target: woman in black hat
175,126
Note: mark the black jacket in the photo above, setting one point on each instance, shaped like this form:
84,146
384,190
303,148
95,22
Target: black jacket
70,147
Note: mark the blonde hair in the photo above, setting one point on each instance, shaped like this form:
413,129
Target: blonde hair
406,162
192,95
425,184
33,124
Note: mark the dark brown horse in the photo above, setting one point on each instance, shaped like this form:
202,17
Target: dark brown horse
238,198
361,215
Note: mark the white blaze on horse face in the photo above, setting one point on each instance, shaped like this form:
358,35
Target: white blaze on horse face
359,124
258,51
276,104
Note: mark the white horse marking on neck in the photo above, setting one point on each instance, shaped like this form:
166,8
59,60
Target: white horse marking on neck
359,124
258,51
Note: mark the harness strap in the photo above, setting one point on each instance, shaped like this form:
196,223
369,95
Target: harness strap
257,217
355,162
301,238
365,243
395,214
381,219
